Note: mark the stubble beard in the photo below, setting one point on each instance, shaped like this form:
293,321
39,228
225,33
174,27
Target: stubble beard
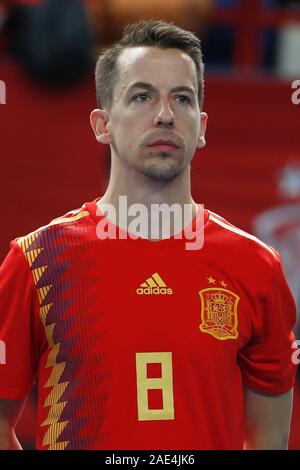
163,167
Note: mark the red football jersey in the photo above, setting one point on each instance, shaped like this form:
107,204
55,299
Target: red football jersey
139,344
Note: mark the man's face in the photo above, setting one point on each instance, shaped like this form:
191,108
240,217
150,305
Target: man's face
155,109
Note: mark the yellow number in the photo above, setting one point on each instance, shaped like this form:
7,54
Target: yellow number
164,383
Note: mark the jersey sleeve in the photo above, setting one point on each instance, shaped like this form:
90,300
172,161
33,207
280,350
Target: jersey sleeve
266,361
20,327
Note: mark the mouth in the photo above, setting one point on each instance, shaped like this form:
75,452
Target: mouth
164,145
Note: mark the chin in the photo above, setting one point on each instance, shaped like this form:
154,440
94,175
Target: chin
162,172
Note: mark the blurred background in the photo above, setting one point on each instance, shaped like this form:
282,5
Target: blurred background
249,171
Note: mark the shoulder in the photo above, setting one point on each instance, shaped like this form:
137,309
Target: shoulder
66,228
240,243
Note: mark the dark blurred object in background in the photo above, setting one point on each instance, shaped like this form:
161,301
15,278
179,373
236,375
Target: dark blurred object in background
254,35
51,38
289,3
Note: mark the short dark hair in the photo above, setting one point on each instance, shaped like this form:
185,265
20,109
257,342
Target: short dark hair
150,33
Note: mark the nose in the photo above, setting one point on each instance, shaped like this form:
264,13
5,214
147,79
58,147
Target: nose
165,116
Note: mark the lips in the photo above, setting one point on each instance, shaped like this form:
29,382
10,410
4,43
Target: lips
164,142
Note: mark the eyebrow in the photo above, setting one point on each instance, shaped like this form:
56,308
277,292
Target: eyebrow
149,87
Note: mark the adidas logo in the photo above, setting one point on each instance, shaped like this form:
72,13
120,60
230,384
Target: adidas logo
154,285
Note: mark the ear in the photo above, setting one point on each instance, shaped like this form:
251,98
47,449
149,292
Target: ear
99,122
201,139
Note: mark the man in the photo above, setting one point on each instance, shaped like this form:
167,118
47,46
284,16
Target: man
136,341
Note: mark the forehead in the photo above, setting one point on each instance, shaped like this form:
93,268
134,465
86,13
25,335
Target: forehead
160,67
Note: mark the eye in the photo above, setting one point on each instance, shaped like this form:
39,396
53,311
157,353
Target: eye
186,99
138,96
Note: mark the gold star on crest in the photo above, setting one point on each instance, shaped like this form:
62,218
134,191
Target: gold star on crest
223,283
211,280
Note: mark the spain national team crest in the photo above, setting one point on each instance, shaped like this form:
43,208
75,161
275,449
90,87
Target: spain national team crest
219,313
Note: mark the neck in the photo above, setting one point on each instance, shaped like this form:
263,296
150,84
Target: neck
150,193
